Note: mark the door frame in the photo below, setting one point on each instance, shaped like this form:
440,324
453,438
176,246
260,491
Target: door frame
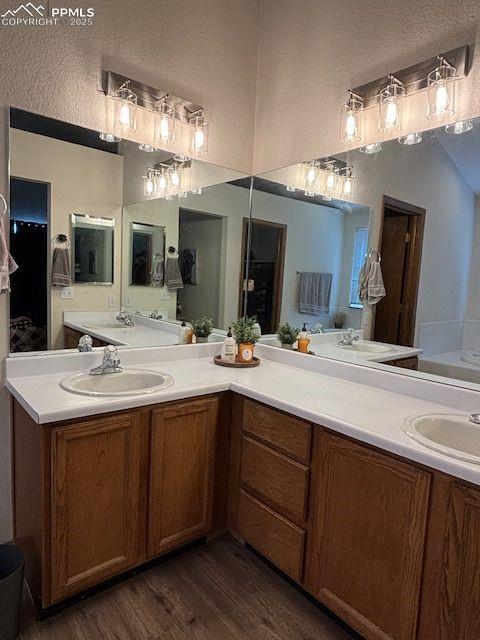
279,265
413,263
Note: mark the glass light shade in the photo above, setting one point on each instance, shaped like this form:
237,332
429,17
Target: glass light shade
348,183
369,149
198,135
125,110
162,182
411,138
148,148
110,132
331,181
149,183
164,123
441,93
312,172
457,128
175,178
290,188
390,108
351,120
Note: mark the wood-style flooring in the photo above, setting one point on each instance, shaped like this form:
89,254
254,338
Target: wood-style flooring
219,591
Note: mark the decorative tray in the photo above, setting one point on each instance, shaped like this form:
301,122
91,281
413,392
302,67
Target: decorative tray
239,365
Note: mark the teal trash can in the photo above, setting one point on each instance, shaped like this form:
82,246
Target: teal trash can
11,583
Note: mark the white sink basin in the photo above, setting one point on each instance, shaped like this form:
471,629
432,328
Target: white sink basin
107,325
365,347
130,382
451,434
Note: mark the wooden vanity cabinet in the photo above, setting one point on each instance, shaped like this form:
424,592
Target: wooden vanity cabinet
95,497
182,467
366,548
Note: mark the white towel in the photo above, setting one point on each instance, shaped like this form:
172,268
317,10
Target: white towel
7,263
371,286
315,291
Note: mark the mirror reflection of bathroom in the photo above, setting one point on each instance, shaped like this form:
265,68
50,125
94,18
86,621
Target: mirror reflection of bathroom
419,308
100,252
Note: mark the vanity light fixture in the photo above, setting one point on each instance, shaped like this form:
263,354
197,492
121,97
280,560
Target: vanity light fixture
457,128
441,91
390,106
312,173
351,116
370,149
331,180
198,134
348,181
411,138
125,108
164,123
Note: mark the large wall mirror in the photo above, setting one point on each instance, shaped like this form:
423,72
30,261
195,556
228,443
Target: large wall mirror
95,232
380,240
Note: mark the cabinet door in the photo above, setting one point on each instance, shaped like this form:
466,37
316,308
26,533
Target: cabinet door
95,502
451,592
369,524
182,450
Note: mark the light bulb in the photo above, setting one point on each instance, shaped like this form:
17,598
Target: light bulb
175,178
311,175
441,99
330,183
391,114
347,187
162,182
149,183
124,116
350,126
164,128
198,140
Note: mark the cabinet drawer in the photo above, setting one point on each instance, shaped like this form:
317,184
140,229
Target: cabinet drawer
272,535
282,482
287,434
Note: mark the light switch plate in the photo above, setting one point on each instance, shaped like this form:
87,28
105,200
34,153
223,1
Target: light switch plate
66,293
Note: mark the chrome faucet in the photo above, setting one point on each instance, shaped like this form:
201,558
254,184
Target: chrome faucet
348,337
125,318
85,343
475,418
110,362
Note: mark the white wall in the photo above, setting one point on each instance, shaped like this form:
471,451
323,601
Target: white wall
82,180
471,333
311,53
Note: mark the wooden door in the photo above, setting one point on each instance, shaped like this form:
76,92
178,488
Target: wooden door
366,554
451,591
401,249
96,506
182,466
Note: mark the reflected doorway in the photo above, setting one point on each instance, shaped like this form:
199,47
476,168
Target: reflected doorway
29,238
265,276
401,252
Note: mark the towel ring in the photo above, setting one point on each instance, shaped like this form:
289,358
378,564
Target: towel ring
62,239
370,254
5,207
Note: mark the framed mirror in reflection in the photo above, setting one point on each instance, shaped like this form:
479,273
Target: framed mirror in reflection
160,256
397,265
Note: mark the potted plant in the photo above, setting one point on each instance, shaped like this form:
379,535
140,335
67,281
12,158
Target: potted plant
339,320
246,335
202,328
287,334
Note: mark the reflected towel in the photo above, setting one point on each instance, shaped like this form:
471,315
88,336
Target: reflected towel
7,263
61,268
157,272
315,289
371,286
173,277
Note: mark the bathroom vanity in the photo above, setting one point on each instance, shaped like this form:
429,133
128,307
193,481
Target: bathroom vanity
378,528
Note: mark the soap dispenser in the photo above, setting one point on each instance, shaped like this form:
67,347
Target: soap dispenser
185,334
228,353
303,339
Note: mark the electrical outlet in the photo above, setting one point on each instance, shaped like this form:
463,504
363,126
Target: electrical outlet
111,301
66,293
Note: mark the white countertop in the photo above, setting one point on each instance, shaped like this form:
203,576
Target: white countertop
369,414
